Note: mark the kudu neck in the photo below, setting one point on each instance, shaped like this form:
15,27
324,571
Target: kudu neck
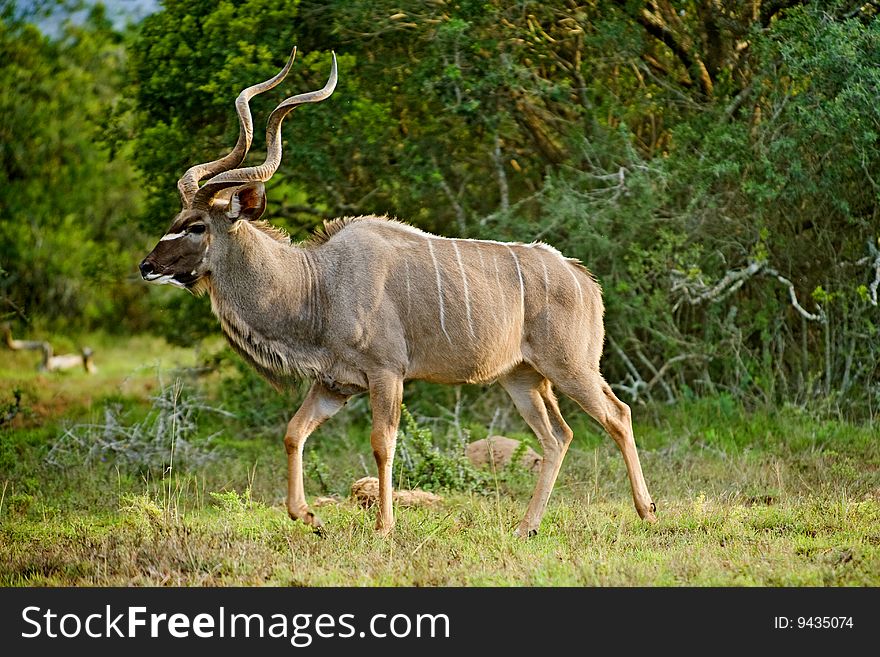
265,281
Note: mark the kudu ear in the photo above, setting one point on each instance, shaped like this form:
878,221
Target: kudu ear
247,202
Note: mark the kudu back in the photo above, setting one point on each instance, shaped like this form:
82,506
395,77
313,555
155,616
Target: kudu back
369,303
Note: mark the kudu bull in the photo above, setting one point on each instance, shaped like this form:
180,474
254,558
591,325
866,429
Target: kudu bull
370,303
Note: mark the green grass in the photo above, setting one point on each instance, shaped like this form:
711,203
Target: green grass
764,498
802,541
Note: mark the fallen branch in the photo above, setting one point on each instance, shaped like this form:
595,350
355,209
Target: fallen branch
24,345
51,362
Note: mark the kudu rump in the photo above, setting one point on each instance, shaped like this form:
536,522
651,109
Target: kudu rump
370,303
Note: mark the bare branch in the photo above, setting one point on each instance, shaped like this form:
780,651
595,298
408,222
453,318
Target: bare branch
873,260
694,291
731,282
739,99
17,345
637,382
658,375
872,289
503,188
680,45
460,216
670,397
819,317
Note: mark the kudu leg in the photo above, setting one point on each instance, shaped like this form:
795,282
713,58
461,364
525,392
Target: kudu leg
319,405
595,396
534,399
386,396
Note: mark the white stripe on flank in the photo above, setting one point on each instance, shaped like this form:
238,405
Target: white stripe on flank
439,290
172,236
464,280
522,287
498,282
546,298
408,291
566,262
576,282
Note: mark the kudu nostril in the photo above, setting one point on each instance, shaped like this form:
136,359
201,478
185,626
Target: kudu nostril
146,268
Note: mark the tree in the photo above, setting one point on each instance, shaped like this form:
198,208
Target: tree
714,162
68,201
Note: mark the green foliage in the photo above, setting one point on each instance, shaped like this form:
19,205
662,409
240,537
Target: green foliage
167,438
232,501
420,463
9,410
726,480
661,145
68,201
244,393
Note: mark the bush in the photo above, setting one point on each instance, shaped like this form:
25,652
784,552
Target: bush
168,437
419,463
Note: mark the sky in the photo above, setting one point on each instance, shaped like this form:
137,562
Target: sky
119,11
130,9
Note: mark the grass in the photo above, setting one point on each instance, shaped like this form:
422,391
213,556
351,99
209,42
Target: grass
769,498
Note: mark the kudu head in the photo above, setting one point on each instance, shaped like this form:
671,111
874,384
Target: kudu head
197,239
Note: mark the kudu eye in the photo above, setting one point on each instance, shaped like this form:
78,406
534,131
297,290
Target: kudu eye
197,229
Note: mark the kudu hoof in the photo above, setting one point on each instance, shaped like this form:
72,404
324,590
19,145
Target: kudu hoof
384,532
525,533
311,520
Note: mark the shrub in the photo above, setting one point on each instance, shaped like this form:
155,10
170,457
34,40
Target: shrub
167,437
419,463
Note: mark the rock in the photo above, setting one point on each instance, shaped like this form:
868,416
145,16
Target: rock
503,449
365,491
325,501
